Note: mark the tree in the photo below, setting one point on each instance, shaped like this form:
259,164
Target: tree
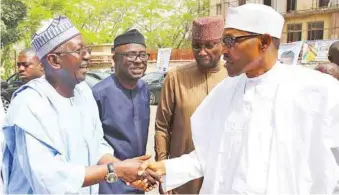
165,23
12,13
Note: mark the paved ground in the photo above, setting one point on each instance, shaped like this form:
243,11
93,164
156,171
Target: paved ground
150,144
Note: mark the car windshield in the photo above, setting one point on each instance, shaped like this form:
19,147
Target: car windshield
14,79
91,81
152,76
98,74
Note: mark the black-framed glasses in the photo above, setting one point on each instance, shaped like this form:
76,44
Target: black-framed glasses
82,51
132,56
198,47
230,41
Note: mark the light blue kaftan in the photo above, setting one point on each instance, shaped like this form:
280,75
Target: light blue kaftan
50,139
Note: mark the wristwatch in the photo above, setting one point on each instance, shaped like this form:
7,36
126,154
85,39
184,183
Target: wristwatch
111,176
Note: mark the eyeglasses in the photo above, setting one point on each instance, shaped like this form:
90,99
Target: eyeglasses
198,47
24,64
231,41
132,56
82,51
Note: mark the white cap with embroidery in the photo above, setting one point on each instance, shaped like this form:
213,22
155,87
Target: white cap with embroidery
255,18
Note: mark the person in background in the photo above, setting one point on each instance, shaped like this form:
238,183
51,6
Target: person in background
184,89
29,66
123,102
331,69
333,53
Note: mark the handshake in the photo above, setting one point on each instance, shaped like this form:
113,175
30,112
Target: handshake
140,173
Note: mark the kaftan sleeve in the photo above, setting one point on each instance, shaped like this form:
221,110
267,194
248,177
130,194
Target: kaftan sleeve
182,170
164,118
45,169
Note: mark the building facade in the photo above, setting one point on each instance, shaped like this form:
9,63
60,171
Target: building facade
304,19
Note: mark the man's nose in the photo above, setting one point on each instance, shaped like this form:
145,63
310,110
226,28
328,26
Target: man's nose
225,49
202,51
87,55
137,60
21,68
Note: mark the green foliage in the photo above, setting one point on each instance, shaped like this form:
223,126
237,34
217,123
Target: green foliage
165,23
12,12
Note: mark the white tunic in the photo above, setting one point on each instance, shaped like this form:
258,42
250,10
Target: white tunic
273,134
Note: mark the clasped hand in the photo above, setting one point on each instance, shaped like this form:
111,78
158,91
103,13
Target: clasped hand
139,173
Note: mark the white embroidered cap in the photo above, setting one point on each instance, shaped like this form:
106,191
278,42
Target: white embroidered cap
255,18
52,34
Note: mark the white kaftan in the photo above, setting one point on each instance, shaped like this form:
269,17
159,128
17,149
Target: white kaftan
268,135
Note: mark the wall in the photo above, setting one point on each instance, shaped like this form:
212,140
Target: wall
304,20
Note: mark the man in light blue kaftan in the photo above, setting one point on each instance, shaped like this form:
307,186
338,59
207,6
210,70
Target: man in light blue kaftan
52,139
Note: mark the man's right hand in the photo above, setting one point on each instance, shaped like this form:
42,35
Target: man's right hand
158,167
129,171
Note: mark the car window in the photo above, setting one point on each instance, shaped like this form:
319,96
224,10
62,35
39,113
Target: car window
99,75
153,76
13,79
91,81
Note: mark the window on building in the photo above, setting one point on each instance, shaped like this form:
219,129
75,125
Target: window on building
294,32
315,30
241,2
323,3
291,5
267,2
219,9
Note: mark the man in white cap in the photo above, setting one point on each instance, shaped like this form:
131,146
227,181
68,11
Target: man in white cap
53,134
267,129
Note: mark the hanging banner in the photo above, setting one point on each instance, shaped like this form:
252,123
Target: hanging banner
164,55
316,51
288,53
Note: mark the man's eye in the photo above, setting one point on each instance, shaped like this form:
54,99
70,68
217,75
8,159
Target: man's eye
209,46
131,54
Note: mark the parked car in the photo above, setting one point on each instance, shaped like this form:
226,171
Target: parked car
9,86
155,81
98,74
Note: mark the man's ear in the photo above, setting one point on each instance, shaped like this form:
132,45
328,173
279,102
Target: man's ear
54,61
266,41
330,58
41,67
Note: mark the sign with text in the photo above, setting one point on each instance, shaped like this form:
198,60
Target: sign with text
316,51
164,55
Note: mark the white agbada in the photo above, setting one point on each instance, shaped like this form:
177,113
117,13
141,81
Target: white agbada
268,135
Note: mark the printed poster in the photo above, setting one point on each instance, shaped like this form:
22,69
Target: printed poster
164,55
288,53
316,51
